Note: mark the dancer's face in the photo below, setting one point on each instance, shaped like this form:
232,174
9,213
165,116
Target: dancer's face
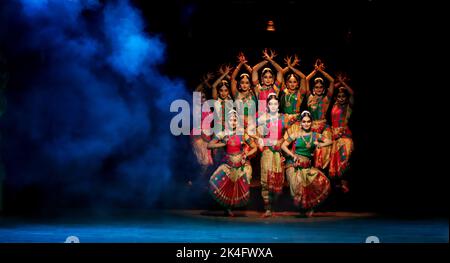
223,92
318,89
292,83
245,84
232,122
306,123
341,98
268,78
273,105
203,97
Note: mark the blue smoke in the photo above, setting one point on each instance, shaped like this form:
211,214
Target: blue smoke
88,120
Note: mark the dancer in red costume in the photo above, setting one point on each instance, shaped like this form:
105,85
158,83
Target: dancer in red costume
342,136
318,103
229,184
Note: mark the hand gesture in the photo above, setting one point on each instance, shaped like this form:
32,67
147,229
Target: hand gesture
207,77
287,61
269,54
224,69
319,65
241,58
296,61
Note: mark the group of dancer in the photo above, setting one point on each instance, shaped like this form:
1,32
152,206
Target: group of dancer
295,139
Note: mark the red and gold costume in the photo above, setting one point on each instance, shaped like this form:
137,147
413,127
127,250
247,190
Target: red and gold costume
342,140
318,106
229,184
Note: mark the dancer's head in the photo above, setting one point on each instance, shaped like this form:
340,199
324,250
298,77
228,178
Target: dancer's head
244,81
232,120
318,86
224,89
272,103
292,81
306,120
203,98
342,96
267,77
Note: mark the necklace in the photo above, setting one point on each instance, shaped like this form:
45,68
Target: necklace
287,99
264,87
273,119
308,144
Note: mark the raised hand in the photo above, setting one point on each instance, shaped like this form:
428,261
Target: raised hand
287,61
207,77
273,54
266,54
296,61
227,69
224,69
342,77
241,58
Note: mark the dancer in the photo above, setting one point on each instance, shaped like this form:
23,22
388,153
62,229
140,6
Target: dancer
342,136
294,89
271,126
222,96
245,99
229,184
267,84
318,103
308,185
200,139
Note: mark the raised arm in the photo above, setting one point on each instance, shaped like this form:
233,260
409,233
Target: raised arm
255,70
308,80
278,68
321,69
234,90
205,82
224,70
291,65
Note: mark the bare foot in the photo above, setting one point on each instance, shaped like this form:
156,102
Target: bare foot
268,213
229,213
344,186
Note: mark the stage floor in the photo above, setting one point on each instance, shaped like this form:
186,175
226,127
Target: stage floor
212,226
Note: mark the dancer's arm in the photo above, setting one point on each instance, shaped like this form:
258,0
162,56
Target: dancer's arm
225,70
215,143
255,69
277,67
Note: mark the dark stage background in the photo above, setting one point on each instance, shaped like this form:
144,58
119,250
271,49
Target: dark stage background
384,48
